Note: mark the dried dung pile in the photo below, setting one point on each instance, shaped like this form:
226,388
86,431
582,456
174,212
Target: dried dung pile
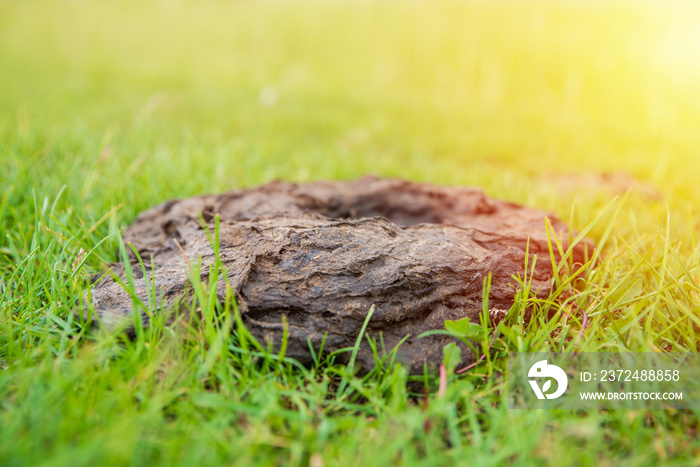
323,253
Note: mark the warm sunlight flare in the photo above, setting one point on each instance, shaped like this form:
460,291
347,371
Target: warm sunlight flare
679,48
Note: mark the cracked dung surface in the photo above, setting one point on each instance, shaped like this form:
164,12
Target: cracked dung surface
323,253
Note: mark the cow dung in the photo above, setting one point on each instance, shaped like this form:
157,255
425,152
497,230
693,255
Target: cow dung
323,253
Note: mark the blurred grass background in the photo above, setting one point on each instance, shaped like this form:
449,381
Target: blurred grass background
127,104
136,102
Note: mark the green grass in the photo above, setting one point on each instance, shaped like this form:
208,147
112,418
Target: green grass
107,108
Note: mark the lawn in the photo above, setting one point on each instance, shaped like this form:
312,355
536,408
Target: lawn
108,108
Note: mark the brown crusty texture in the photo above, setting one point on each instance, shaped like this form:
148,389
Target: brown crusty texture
323,253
